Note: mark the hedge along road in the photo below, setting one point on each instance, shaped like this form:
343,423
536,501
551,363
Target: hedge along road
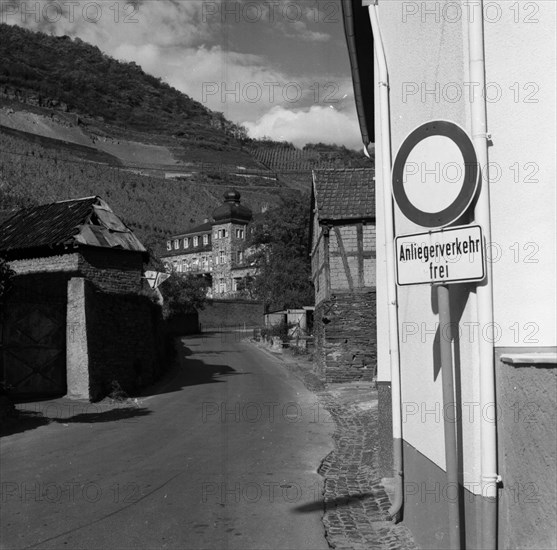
222,453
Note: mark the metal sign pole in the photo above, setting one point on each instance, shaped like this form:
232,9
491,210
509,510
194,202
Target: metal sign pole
449,415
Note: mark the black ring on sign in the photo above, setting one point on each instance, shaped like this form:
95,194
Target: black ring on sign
469,185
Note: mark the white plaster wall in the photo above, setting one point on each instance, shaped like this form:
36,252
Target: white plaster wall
520,61
424,53
427,51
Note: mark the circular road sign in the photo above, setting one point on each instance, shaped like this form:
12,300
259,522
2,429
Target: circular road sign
435,174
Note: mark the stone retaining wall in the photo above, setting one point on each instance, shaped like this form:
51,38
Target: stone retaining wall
231,313
345,336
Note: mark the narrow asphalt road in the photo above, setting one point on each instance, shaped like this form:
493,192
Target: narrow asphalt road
222,454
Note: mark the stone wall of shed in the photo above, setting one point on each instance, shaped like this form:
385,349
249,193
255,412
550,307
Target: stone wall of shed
113,271
125,341
114,333
345,337
63,263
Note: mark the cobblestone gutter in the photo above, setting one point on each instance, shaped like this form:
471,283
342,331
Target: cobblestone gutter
355,502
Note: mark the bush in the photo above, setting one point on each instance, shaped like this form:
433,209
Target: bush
280,330
183,293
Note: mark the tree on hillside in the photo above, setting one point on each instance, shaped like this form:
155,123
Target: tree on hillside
183,293
280,253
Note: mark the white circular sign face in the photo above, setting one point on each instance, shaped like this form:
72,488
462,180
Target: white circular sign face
433,174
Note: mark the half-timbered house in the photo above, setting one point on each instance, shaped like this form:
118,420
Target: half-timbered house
343,272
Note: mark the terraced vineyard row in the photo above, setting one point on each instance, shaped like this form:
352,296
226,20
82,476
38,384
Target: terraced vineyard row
282,158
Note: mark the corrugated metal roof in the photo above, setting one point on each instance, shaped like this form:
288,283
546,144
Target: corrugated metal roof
344,194
88,221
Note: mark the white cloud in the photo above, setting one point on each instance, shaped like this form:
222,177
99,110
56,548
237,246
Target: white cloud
109,24
292,19
298,29
313,125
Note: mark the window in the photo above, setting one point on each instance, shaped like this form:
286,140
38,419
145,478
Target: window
184,265
186,243
222,233
168,245
215,235
175,265
196,241
239,233
205,239
240,256
222,257
222,286
176,244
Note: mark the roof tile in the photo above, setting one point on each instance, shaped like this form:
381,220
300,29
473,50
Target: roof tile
344,194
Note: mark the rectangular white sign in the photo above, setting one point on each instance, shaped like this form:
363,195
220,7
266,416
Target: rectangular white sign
453,255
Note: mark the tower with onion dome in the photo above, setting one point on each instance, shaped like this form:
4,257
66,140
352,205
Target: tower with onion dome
230,227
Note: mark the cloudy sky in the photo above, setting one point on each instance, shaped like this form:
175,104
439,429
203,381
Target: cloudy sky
279,67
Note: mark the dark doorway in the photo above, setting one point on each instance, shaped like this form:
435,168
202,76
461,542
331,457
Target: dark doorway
33,343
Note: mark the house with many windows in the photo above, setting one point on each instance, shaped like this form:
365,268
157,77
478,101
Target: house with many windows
215,249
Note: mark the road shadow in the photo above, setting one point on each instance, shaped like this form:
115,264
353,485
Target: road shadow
23,420
337,502
112,415
188,371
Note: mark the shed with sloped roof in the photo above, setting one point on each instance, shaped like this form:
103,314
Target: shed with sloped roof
74,320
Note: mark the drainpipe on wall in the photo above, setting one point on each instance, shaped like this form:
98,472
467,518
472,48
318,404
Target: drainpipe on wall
386,164
484,291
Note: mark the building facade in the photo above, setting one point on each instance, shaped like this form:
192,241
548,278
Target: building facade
416,63
216,249
343,272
